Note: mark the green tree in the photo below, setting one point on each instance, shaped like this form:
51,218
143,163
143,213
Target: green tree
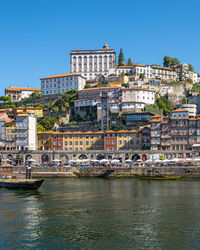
184,100
191,68
87,86
5,98
37,105
36,95
55,109
47,122
195,88
170,61
66,105
121,57
129,62
40,128
63,109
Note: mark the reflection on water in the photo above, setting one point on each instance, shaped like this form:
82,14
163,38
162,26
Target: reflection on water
96,214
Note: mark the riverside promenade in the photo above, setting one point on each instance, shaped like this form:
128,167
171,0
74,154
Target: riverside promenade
68,172
48,156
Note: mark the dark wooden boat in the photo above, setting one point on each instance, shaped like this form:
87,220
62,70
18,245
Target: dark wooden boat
25,184
106,174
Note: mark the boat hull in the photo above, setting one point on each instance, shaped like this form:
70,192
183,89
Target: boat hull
24,184
168,178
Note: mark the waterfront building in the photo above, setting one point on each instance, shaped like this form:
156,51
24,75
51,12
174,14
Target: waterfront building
110,140
10,136
18,93
145,137
179,129
83,141
129,140
3,120
19,134
26,132
155,132
45,140
92,63
59,84
165,134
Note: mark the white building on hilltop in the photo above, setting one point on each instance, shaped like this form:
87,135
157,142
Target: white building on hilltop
18,93
92,63
59,84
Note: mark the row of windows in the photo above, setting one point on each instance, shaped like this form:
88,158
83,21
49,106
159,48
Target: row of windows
59,85
69,78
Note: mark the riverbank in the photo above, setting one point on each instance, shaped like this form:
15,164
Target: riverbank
69,172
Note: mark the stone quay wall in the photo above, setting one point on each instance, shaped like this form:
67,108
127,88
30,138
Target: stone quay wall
45,172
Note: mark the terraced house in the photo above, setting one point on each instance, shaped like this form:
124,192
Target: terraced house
83,141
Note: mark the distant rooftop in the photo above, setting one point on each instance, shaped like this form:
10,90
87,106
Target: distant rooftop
62,75
105,47
22,89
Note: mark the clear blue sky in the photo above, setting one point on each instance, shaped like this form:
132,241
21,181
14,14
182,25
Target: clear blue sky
37,35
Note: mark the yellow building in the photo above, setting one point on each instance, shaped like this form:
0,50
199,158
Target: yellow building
84,141
73,141
128,140
36,111
10,134
118,80
45,140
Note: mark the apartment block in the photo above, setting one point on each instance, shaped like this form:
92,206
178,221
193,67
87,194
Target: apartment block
59,84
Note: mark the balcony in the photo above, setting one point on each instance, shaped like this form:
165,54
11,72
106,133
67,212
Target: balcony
155,142
21,128
179,133
165,136
180,125
21,135
192,133
165,143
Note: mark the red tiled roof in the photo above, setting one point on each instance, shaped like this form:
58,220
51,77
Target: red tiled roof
179,110
22,89
138,89
62,75
99,88
155,120
3,116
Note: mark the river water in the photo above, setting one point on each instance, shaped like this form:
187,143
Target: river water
102,214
